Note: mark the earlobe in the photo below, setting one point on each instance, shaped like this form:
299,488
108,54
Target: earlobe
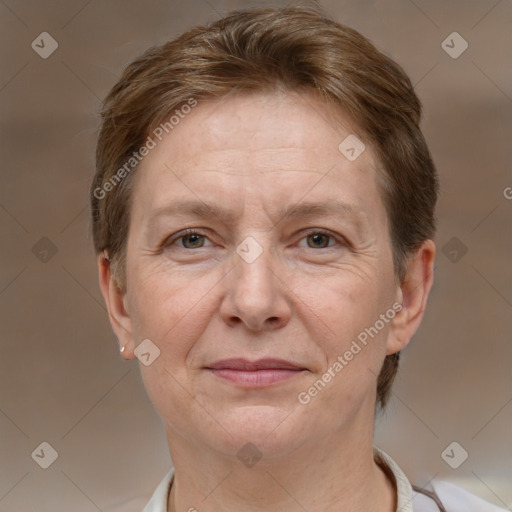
116,301
414,292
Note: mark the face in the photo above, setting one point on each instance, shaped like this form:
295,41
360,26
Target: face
258,257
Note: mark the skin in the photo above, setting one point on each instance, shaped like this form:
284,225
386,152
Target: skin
304,299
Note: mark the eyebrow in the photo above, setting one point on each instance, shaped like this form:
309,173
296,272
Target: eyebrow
207,210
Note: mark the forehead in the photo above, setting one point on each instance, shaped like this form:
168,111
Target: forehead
262,124
268,145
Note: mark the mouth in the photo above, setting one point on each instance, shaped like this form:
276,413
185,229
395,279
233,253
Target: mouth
263,372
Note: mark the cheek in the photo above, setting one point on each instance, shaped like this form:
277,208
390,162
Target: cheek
340,305
172,311
343,318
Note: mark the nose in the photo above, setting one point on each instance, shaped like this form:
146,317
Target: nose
256,296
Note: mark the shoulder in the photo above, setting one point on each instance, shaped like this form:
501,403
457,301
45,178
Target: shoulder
445,496
457,499
437,495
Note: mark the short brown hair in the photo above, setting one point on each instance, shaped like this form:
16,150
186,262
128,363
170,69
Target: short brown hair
260,50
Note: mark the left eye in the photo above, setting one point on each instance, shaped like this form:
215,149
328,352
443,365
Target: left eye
319,240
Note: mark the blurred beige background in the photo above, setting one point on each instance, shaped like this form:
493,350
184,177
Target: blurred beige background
61,379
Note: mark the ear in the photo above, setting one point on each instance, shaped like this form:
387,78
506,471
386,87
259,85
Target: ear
115,300
412,294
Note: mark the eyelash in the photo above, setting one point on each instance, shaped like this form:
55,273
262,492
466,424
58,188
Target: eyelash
339,240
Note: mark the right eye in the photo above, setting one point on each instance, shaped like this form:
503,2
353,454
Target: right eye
188,239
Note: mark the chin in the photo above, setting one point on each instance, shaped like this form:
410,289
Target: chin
271,430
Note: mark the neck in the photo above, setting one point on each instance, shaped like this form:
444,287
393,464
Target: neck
328,475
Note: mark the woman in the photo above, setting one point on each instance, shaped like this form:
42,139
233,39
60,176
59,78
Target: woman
263,215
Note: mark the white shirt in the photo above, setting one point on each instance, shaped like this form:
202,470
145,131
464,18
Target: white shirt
453,498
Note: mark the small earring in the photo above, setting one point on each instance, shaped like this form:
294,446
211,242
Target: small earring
123,348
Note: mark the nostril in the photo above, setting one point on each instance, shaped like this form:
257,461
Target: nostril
273,321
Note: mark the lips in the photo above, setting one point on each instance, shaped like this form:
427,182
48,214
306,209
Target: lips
260,364
262,372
